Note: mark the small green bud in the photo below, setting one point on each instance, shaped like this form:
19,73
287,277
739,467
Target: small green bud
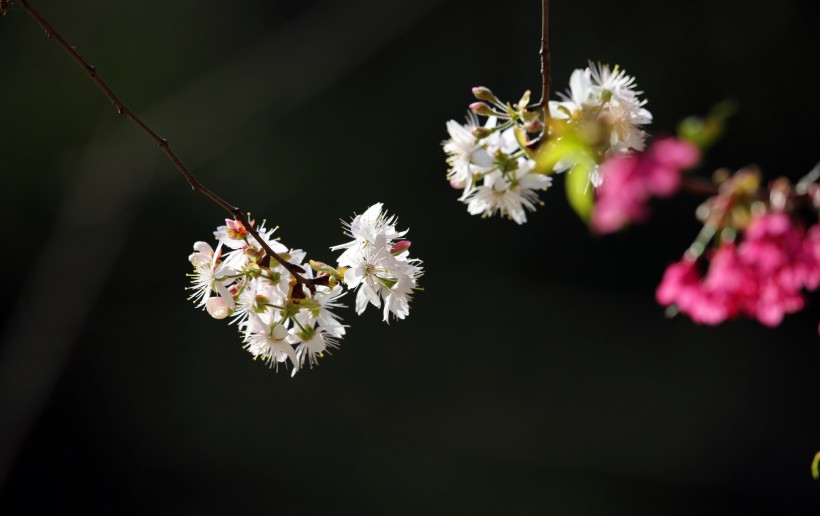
260,304
482,132
290,309
326,269
306,334
815,467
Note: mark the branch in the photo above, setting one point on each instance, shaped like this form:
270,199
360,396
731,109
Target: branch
546,58
699,186
546,61
196,186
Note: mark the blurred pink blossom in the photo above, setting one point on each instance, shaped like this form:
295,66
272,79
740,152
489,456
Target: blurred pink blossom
631,180
763,277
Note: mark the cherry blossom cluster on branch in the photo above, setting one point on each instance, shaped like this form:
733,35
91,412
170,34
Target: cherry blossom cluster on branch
501,164
280,320
282,306
760,246
755,249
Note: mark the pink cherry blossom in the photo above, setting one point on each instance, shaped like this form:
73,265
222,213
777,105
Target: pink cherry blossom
762,278
631,180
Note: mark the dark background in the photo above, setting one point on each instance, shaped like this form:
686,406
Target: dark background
535,375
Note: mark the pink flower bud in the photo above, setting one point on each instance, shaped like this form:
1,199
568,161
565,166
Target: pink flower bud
400,247
534,126
217,307
480,108
484,93
458,184
235,229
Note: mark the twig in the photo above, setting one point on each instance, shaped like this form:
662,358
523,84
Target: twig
546,61
699,186
546,58
196,186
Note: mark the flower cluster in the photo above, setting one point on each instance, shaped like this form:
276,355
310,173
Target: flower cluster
631,180
501,164
762,277
762,258
604,111
495,172
281,321
377,263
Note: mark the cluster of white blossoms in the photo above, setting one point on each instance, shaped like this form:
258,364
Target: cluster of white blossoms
377,262
494,171
281,321
498,164
602,105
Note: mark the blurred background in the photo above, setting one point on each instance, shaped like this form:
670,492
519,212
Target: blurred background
535,375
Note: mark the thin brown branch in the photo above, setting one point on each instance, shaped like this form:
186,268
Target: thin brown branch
546,61
92,74
546,58
699,186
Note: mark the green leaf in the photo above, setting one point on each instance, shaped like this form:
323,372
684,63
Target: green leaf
706,131
579,191
555,151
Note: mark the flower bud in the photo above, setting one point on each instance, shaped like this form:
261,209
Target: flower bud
481,132
323,268
235,229
484,93
534,126
260,303
400,247
217,307
780,192
255,255
480,108
458,184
